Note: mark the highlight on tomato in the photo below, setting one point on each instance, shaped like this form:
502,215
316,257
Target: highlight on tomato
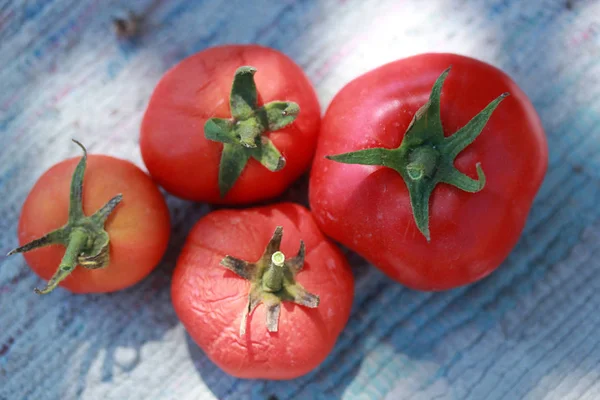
428,171
231,124
104,234
262,291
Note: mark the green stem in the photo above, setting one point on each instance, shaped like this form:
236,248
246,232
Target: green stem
272,280
423,162
77,243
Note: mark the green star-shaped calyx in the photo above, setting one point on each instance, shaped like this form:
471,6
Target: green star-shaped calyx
242,135
84,237
426,157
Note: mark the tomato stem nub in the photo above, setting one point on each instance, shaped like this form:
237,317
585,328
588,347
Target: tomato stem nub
278,258
272,280
426,157
84,237
242,135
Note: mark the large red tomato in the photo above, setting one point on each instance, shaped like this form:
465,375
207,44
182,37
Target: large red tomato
404,186
234,289
231,124
119,239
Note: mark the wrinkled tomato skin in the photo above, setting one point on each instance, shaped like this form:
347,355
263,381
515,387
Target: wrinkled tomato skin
367,208
138,227
185,163
210,299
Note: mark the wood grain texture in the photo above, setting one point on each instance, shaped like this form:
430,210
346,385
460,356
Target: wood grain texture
528,331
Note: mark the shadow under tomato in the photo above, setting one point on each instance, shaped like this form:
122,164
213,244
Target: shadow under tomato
296,193
224,386
97,336
146,306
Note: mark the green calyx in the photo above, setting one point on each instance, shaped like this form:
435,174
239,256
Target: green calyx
86,241
242,135
272,280
426,157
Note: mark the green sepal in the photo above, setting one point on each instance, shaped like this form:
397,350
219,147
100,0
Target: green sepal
243,97
243,135
280,114
76,194
425,157
86,241
268,155
233,161
219,130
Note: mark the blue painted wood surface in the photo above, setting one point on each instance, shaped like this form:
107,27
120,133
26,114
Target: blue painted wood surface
528,331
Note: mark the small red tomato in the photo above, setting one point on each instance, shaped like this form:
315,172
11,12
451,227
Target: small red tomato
404,185
260,306
113,222
231,124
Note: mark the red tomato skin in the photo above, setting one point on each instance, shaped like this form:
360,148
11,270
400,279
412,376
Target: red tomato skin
185,163
367,208
210,299
139,227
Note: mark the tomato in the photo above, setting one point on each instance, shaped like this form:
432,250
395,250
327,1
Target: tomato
430,180
206,139
233,261
130,208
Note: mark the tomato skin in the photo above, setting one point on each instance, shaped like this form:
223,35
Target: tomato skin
185,163
138,228
367,208
210,299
